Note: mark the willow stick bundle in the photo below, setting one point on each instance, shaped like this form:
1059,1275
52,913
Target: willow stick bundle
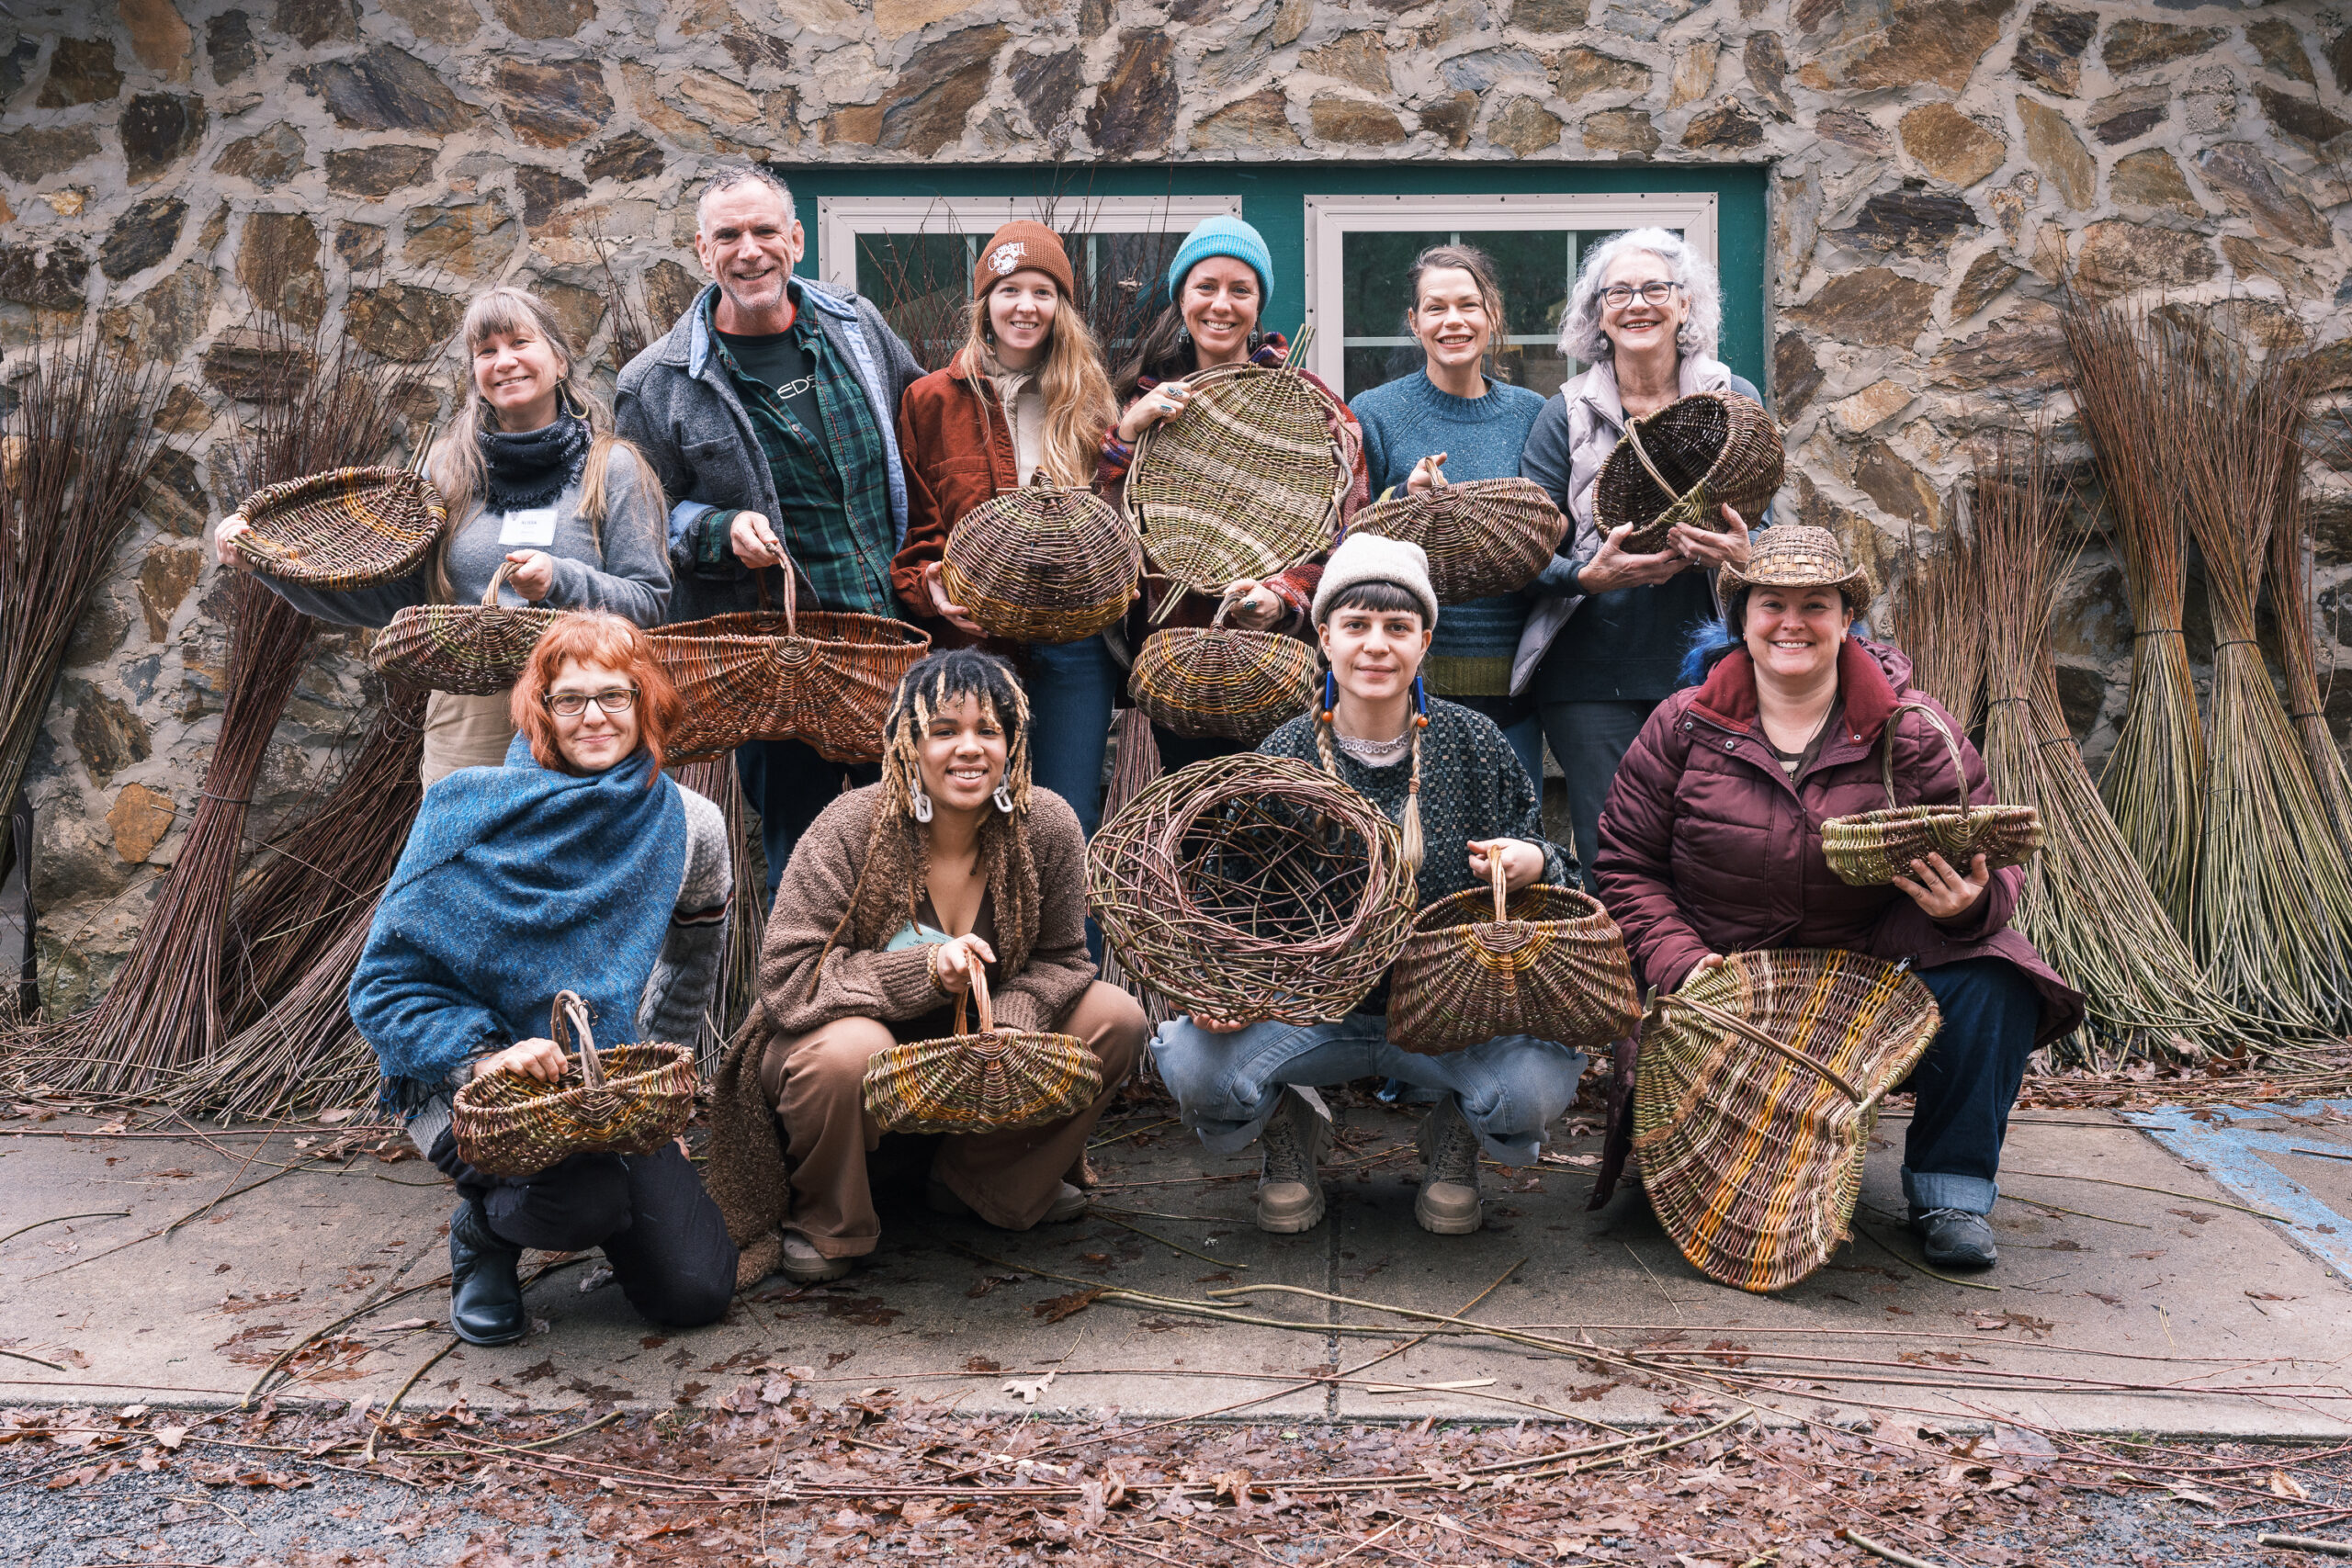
1939,620
738,962
2273,928
2135,414
2087,905
75,447
2290,603
302,1056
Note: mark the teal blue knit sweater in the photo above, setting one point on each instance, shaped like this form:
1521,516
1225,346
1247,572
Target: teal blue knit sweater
1405,421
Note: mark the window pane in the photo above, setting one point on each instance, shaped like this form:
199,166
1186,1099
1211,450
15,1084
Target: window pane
922,283
1373,268
1534,268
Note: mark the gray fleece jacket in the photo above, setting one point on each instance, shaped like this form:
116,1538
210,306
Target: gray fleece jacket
675,401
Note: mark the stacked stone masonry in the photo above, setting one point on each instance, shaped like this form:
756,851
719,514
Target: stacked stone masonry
1940,171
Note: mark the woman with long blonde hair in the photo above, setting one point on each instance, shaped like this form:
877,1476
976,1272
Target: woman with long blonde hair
540,488
1025,396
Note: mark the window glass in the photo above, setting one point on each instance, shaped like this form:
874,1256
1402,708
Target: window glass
923,283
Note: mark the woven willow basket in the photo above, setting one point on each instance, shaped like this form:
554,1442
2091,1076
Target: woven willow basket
343,529
471,649
1252,887
1550,964
1759,1084
1043,564
1245,482
823,677
1216,682
1483,536
1679,464
625,1100
989,1082
1874,848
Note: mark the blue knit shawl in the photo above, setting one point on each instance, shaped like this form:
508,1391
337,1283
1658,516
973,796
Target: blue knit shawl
517,883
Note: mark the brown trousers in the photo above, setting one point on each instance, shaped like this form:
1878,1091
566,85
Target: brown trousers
814,1082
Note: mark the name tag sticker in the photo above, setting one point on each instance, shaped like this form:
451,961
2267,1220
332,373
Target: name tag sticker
533,526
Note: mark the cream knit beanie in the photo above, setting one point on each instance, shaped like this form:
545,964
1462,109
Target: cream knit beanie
1368,557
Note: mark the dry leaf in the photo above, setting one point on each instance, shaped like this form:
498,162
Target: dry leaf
1028,1390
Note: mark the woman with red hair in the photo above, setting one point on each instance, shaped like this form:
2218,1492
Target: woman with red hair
577,867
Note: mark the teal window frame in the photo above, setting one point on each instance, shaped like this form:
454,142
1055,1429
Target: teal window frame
1273,198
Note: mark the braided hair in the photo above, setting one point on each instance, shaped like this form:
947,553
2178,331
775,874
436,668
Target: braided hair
1325,748
897,864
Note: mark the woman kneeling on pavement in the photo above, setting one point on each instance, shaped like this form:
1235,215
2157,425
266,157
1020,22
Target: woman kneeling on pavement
577,867
1710,844
897,894
1450,778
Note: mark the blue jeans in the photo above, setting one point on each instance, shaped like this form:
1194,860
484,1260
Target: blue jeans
1511,1089
787,784
1967,1082
1071,685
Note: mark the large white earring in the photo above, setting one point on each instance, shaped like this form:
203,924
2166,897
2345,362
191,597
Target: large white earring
922,804
1003,798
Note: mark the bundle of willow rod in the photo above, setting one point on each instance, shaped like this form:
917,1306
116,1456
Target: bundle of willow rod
738,960
2138,415
329,868
2086,903
1939,620
75,446
2273,929
301,1056
2290,604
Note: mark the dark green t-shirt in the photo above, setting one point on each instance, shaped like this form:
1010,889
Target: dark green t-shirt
782,362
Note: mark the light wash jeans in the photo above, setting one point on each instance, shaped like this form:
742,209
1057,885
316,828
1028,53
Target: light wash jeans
1071,685
1511,1089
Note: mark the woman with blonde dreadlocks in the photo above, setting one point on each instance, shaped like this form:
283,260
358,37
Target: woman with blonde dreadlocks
1450,781
897,894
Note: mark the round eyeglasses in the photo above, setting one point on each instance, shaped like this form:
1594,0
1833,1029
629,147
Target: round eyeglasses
1617,296
572,705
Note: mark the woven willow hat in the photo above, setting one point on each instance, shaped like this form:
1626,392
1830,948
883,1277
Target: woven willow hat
1791,554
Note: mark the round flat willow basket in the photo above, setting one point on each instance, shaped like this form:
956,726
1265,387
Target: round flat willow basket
1246,482
1679,465
1874,848
1758,1086
626,1099
1550,962
473,650
1043,564
1215,682
343,529
990,1081
1483,536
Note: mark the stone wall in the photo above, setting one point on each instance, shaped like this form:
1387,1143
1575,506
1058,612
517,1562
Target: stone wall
1940,168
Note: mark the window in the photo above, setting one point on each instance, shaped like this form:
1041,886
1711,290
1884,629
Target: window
914,255
1359,248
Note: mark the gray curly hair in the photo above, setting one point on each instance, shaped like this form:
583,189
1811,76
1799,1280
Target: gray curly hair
1580,335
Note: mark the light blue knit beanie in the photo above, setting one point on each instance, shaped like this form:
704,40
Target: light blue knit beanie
1224,236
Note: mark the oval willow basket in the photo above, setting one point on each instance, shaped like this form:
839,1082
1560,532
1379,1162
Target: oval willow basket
1549,964
1874,848
343,529
1679,464
1758,1086
1043,564
989,1082
1216,682
626,1099
1483,536
472,650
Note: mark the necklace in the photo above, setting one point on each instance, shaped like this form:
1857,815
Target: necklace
1376,754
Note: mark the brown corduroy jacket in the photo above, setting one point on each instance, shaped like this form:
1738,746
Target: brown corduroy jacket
958,448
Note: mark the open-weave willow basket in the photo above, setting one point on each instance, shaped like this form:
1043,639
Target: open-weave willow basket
1708,450
1245,482
1217,681
989,1082
1252,887
1759,1084
471,649
1043,564
1549,964
823,677
343,529
1874,848
1483,536
624,1100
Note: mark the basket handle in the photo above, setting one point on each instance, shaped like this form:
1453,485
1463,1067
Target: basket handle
1224,607
791,589
571,1013
1952,743
1633,439
1745,1030
490,598
978,991
1498,877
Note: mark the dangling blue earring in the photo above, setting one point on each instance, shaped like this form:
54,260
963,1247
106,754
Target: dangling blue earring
1420,700
1330,692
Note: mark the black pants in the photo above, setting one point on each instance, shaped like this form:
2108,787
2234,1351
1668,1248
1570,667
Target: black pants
1590,740
656,1226
787,784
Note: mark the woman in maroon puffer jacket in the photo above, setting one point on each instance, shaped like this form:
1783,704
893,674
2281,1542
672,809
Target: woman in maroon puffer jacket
1710,844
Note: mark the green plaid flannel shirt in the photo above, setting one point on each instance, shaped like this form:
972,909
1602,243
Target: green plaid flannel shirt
829,484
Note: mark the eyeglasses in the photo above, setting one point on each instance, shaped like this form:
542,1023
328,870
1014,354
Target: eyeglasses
572,705
1617,296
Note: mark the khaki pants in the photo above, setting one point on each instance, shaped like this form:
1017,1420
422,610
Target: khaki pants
464,733
815,1081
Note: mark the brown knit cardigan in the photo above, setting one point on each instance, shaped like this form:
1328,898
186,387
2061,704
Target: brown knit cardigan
745,1172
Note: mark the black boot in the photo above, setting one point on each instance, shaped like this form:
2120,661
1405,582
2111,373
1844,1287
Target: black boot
485,1296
